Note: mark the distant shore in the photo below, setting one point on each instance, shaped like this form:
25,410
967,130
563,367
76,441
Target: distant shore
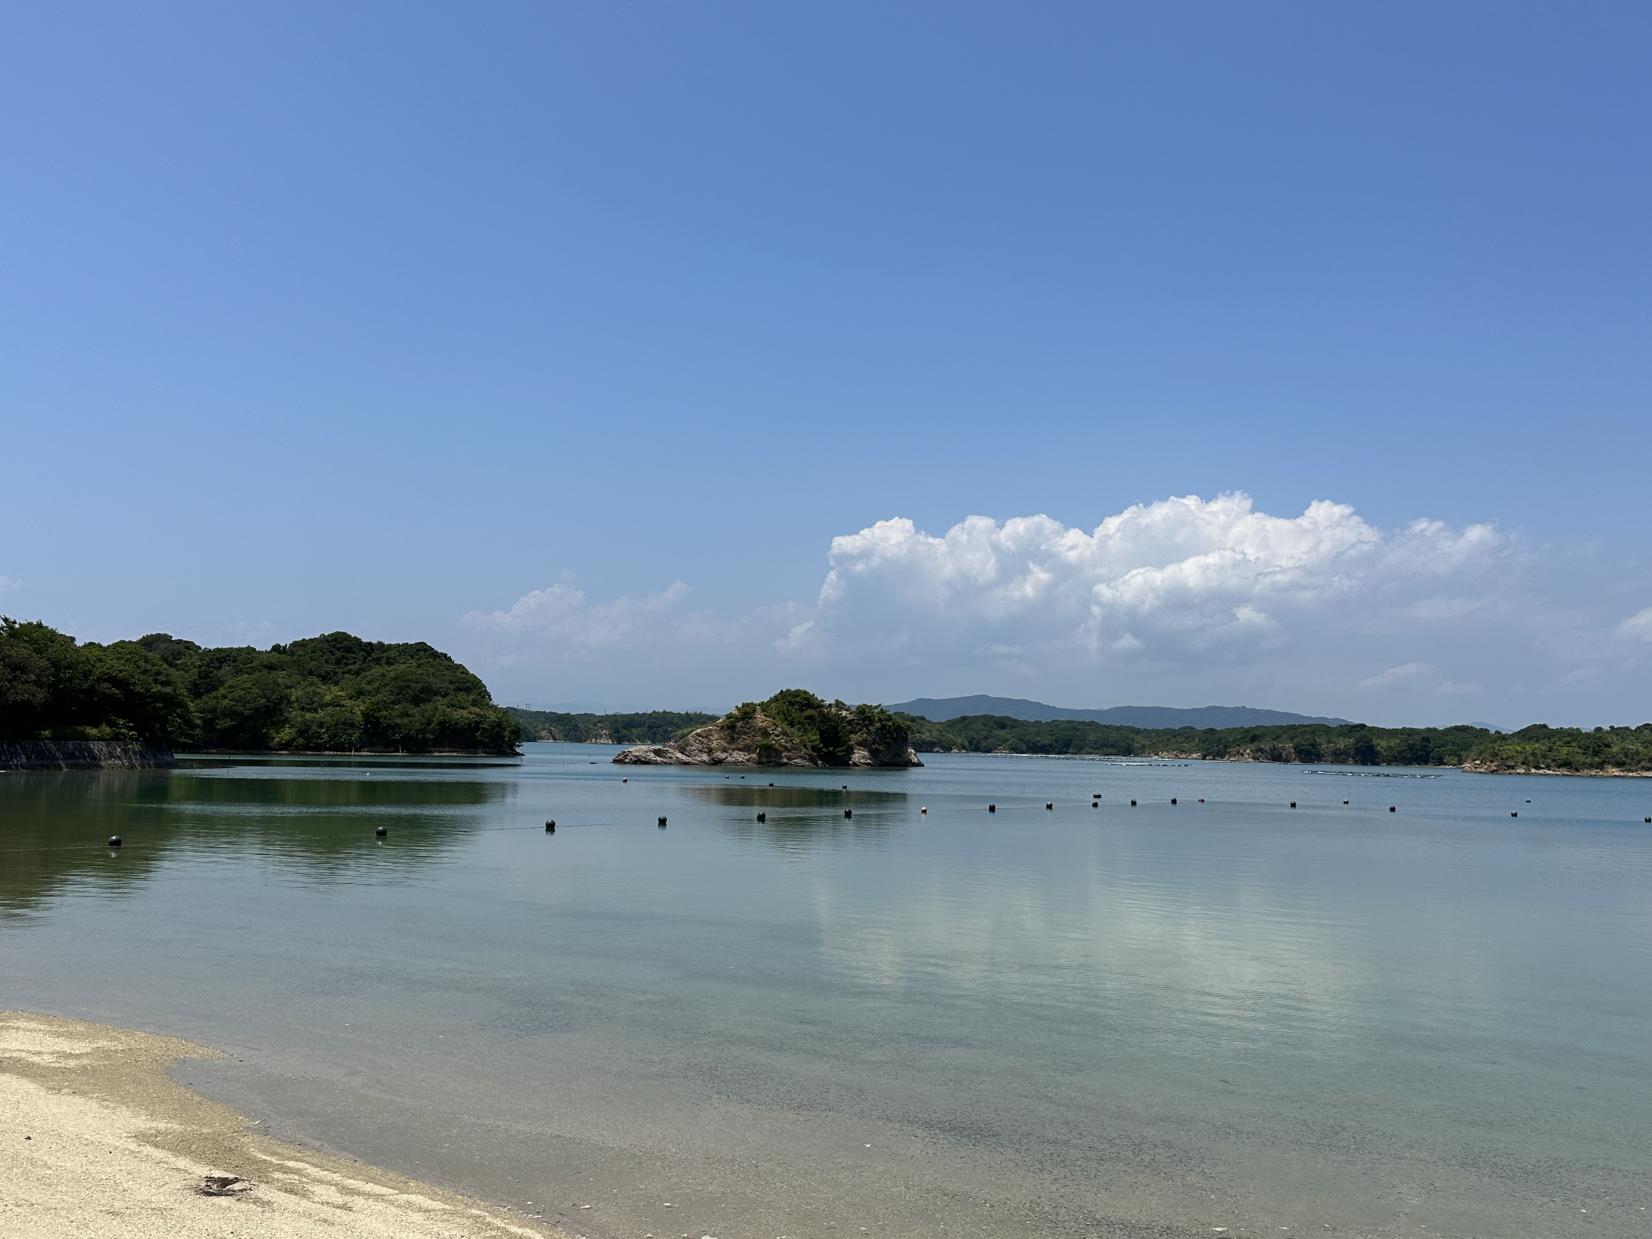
99,1139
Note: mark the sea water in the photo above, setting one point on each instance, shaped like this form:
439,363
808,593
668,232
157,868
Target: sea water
860,1017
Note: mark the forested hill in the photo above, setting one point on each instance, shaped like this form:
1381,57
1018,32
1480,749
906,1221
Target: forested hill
1568,750
333,693
645,727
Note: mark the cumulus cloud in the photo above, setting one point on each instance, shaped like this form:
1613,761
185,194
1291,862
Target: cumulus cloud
1181,576
1638,627
1185,597
1404,673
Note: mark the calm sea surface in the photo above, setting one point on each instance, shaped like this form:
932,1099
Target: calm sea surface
1080,1021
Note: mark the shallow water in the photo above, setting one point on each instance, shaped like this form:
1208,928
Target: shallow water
1078,1021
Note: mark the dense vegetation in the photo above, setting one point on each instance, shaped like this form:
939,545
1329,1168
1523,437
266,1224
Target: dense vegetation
650,727
333,693
1538,747
829,730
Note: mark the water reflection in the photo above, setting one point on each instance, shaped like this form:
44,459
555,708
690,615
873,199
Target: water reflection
54,826
799,817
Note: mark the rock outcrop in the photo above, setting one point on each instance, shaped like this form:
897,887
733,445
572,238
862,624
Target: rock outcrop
81,755
822,735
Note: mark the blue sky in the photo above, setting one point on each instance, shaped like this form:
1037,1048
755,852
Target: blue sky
569,337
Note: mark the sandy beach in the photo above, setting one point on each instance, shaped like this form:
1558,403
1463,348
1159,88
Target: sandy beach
100,1141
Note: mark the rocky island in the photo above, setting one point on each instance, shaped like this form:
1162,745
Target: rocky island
792,728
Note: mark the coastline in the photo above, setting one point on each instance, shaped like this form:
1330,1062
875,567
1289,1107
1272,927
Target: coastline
1247,759
82,755
101,1140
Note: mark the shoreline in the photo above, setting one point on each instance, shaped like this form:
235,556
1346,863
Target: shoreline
100,1139
1155,758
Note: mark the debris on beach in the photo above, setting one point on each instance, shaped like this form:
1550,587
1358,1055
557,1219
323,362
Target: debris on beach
222,1185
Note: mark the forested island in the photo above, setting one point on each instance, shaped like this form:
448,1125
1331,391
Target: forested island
335,693
792,728
1539,748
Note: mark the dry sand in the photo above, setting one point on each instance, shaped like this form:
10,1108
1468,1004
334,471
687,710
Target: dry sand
97,1140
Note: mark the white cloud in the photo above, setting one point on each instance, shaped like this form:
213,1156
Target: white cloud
559,623
1405,673
1638,627
1183,600
1177,576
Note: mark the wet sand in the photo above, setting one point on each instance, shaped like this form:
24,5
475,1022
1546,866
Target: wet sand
99,1140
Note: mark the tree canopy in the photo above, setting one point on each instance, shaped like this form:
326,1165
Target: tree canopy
335,693
1538,747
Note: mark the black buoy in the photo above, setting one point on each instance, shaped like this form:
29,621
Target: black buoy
1528,802
848,813
1646,819
1095,804
1293,804
771,784
923,808
550,826
1344,802
114,841
845,787
1514,812
1172,800
1132,804
992,808
1391,809
381,831
1049,804
625,780
662,819
762,817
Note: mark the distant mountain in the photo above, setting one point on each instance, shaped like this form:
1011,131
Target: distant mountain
940,709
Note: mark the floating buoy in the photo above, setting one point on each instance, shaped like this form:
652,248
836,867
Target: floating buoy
848,813
762,817
114,841
625,780
1391,809
1514,812
1048,804
771,784
1095,804
1172,800
992,808
662,819
550,826
1293,804
845,787
1201,800
1646,819
1344,802
381,831
923,808
1132,804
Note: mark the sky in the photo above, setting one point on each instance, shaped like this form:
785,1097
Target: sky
664,355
